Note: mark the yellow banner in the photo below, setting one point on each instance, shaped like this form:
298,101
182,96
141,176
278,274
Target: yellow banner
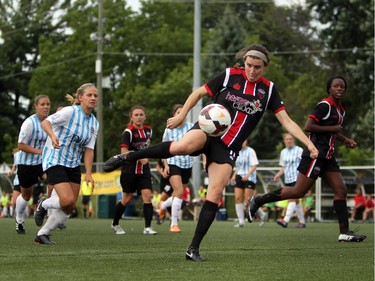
106,183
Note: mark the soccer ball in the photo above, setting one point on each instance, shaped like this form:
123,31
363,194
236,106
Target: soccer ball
214,119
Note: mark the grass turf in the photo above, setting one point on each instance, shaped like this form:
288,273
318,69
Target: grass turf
89,250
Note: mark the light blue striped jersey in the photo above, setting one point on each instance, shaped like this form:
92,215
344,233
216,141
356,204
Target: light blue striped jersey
182,161
290,159
32,134
15,162
245,160
75,131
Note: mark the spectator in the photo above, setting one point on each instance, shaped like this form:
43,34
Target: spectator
359,204
369,208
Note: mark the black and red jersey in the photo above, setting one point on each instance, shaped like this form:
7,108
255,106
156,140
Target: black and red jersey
246,102
326,113
136,139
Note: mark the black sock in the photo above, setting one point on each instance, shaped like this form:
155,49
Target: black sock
84,213
159,151
341,210
147,213
206,217
120,209
269,197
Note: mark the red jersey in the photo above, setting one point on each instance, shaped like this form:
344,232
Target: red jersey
358,199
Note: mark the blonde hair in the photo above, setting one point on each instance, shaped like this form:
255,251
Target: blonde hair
80,91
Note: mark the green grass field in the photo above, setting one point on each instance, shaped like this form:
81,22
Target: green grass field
89,250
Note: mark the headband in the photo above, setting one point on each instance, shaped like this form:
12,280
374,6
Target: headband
257,54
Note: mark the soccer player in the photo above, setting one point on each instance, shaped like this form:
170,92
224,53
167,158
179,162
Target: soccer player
246,94
72,134
135,176
31,141
178,168
290,157
244,180
324,126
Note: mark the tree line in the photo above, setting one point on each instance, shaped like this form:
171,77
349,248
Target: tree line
45,48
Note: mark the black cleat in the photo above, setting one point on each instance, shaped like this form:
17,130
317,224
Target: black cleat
115,162
43,239
62,226
251,210
350,236
192,254
40,213
20,228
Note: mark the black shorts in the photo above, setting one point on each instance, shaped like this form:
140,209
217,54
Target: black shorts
135,182
58,174
85,199
28,175
184,173
168,189
314,168
244,184
163,183
216,151
38,191
290,184
17,188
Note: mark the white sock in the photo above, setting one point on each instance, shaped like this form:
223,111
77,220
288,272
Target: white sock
299,211
289,211
58,217
21,205
167,203
261,213
51,203
5,211
240,213
11,211
176,207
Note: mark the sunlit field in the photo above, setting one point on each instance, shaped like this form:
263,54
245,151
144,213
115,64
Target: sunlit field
89,250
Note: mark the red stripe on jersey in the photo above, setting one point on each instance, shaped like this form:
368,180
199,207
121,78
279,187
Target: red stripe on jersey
208,90
331,147
238,122
236,70
265,81
142,133
249,88
125,145
314,117
139,168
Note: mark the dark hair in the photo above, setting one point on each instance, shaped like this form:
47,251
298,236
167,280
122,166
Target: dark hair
330,80
38,98
241,55
175,107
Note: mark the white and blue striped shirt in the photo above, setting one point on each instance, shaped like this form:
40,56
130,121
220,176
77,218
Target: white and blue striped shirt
32,134
75,131
15,163
290,159
245,160
182,161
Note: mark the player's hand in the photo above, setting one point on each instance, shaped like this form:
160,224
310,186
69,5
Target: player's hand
351,143
175,121
313,151
55,142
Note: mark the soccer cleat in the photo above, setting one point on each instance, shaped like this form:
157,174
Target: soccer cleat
117,229
40,213
20,228
175,229
251,210
149,231
282,223
301,225
239,225
43,239
115,162
192,254
350,236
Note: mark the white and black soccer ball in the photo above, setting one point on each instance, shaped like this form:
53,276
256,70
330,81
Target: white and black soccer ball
214,119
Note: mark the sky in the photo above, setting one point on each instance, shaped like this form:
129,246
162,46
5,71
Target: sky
135,3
